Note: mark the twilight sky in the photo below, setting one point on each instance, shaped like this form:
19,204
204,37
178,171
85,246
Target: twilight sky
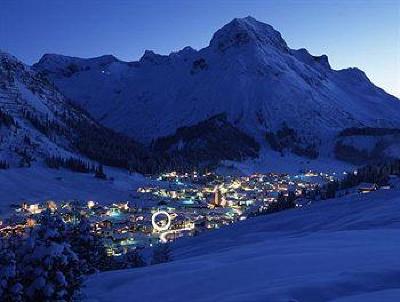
361,33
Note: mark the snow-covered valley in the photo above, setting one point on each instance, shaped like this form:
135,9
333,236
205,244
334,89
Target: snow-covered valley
339,250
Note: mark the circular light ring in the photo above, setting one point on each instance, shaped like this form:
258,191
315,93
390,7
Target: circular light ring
156,226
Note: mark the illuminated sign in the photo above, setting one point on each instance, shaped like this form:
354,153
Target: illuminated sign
156,226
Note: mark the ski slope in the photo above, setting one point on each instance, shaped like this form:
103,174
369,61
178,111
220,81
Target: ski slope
342,250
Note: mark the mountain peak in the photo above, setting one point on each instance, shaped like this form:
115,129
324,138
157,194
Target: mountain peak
8,62
6,56
152,57
242,31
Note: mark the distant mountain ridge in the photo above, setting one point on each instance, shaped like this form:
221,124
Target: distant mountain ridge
247,73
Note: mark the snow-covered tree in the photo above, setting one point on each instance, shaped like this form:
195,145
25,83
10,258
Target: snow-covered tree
47,267
88,246
10,287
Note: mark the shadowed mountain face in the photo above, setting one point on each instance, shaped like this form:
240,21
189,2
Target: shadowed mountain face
247,73
207,142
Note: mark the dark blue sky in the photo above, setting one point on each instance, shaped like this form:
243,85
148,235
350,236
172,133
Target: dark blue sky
358,33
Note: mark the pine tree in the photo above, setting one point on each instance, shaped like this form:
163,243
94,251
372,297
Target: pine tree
291,200
134,259
100,172
161,253
4,164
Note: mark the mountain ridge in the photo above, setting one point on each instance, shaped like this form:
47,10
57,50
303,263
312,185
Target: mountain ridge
246,72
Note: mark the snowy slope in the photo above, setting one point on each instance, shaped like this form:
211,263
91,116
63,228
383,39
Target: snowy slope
247,72
339,250
39,184
37,121
270,161
22,91
39,112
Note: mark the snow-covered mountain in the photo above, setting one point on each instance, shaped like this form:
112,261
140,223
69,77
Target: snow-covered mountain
38,122
31,106
247,72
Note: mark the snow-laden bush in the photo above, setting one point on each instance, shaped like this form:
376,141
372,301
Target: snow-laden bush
42,267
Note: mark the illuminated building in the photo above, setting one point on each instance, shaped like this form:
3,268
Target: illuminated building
219,200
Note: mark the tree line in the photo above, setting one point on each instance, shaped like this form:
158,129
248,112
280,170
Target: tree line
368,131
378,174
287,138
76,165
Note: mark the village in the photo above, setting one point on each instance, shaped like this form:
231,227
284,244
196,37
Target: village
183,204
